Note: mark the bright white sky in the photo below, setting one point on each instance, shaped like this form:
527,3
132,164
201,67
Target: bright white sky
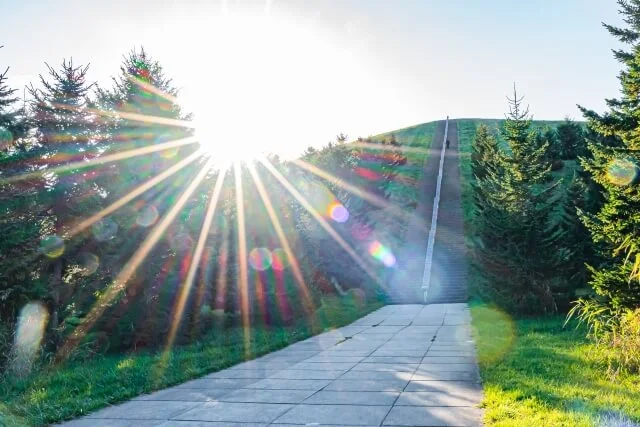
291,73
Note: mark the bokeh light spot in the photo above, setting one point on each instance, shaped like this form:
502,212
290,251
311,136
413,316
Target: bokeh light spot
29,332
338,212
89,263
147,216
52,246
622,172
495,333
279,260
382,254
105,229
260,259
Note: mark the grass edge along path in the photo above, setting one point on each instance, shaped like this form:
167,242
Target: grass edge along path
535,371
77,388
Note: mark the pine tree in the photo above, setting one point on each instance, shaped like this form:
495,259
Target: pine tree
513,222
143,89
614,142
11,121
63,129
485,157
572,140
574,246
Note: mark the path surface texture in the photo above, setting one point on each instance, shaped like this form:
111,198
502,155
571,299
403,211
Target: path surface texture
402,365
446,273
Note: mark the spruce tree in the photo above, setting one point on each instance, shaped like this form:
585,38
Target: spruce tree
485,157
143,89
63,130
513,222
614,142
574,246
572,140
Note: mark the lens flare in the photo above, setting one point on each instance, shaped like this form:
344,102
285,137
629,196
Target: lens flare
89,263
338,212
382,254
31,326
52,246
279,259
622,172
260,259
105,229
147,216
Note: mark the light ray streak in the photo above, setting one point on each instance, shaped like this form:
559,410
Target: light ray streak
242,257
284,242
195,259
132,265
133,194
323,222
389,147
371,198
151,88
223,262
104,159
136,117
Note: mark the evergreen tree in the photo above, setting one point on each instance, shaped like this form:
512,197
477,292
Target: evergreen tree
142,89
12,125
485,157
513,219
63,130
572,140
614,164
574,242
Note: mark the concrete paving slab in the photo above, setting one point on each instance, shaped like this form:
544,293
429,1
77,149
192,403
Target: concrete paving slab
429,416
294,374
445,376
235,412
186,394
396,384
267,396
324,366
370,398
393,359
434,398
144,410
286,384
386,367
209,424
449,387
214,383
346,415
91,422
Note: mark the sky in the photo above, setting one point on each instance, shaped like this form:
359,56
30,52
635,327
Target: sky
294,73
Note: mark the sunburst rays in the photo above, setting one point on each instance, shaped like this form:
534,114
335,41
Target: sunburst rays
194,257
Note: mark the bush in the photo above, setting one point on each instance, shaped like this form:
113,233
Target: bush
616,332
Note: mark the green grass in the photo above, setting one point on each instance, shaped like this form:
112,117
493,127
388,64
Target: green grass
537,373
534,371
63,392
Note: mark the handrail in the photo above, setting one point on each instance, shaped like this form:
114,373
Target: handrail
426,277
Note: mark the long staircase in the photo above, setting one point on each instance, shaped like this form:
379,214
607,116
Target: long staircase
446,273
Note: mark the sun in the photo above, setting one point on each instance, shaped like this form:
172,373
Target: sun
265,84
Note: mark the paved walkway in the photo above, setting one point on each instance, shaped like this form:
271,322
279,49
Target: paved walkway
403,365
